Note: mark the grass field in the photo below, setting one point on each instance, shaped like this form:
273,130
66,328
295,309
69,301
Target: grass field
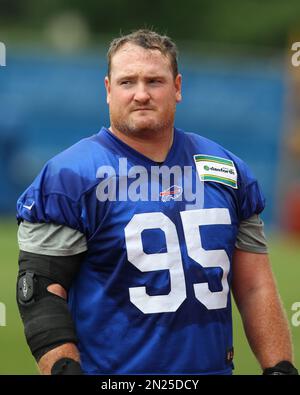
15,357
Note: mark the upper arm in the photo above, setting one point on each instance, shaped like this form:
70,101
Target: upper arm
251,236
251,272
51,248
50,239
251,266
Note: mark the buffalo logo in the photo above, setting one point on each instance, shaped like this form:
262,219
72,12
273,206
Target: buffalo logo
171,193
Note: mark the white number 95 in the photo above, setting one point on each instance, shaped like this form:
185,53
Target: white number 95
172,261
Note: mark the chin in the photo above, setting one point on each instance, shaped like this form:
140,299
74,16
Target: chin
140,126
144,125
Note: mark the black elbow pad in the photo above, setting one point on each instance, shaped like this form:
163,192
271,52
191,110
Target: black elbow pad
46,317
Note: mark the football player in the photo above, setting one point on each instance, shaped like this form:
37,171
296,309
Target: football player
115,278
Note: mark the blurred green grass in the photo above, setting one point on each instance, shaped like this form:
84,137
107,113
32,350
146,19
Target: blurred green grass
16,358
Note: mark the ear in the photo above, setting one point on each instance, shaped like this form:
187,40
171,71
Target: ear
178,81
107,87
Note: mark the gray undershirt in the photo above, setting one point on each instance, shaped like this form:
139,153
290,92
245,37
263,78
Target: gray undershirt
50,239
59,240
251,236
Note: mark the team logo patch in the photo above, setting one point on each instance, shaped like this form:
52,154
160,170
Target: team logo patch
171,193
213,168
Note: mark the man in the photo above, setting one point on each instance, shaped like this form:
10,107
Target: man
126,274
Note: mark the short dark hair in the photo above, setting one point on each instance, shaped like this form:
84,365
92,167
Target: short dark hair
147,39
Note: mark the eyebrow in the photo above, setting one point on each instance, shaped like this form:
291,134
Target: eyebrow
134,76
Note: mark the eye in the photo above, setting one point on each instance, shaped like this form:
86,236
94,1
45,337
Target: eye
154,81
125,82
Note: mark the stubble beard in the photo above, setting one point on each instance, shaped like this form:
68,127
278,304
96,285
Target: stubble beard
134,129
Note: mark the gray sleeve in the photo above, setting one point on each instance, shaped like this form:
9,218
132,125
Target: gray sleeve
50,239
251,236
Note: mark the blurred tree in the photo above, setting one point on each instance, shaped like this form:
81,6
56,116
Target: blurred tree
10,11
250,22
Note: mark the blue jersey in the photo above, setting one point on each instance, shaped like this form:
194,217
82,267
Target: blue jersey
153,293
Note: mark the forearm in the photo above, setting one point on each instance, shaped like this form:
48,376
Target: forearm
68,350
266,327
258,301
43,283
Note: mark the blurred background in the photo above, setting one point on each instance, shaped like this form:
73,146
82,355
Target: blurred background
239,88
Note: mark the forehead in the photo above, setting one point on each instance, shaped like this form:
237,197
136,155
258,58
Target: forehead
131,58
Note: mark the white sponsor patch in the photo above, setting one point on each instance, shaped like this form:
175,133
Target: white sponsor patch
216,169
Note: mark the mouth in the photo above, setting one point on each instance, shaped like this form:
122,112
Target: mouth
143,109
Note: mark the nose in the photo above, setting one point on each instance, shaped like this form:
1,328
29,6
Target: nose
141,94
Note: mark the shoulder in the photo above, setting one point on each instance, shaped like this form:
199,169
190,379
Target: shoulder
218,164
63,191
73,171
200,145
78,157
209,147
55,195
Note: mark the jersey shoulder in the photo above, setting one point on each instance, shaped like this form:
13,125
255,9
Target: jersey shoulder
74,170
206,146
249,194
62,190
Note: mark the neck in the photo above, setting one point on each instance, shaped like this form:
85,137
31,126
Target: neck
154,146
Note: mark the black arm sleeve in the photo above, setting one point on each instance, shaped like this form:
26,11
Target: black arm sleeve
46,318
